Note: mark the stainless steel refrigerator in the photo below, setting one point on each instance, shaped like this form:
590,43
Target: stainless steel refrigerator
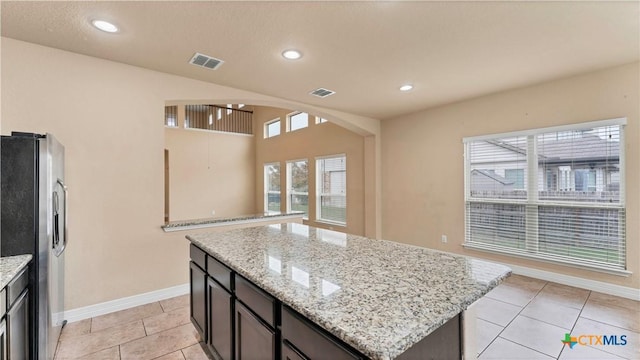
33,220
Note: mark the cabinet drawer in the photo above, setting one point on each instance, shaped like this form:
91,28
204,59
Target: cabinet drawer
219,272
261,303
310,340
16,286
198,256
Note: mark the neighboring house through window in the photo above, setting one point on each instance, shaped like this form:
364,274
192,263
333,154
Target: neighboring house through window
331,184
554,194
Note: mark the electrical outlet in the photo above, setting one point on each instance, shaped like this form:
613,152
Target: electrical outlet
444,239
213,212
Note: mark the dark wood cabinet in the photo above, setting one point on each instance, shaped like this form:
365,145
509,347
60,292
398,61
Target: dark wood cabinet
198,300
255,340
17,322
220,306
307,340
289,353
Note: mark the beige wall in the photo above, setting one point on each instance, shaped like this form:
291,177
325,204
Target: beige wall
422,158
314,141
110,117
210,171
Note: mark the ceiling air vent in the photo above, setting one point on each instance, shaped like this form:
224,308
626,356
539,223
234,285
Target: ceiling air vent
321,92
205,61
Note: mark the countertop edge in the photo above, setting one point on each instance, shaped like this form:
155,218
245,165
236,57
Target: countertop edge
10,266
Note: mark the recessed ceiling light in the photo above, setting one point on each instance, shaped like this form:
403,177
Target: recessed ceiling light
292,54
104,26
406,87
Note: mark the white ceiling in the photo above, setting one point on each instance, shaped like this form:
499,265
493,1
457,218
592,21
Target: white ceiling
362,50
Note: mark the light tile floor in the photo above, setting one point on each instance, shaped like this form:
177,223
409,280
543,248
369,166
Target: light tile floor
523,318
526,318
160,330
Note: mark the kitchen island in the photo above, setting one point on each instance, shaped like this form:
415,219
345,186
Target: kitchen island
368,298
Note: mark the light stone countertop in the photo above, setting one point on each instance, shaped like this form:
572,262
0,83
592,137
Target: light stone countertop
221,221
10,266
380,297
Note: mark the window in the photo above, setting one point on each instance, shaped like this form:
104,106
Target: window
272,128
552,194
272,187
320,120
297,121
298,186
331,186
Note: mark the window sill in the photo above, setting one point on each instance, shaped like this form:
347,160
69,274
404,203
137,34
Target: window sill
571,263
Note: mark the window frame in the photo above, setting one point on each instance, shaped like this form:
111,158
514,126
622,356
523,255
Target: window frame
267,191
290,115
290,191
266,128
320,194
532,199
321,120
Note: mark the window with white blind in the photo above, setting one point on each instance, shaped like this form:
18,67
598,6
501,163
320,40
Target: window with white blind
298,186
331,185
553,194
272,187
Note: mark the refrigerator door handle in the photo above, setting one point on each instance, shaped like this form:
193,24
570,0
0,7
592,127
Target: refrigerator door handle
60,250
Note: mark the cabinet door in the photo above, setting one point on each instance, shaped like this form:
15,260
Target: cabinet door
220,320
198,280
3,340
254,340
289,353
18,328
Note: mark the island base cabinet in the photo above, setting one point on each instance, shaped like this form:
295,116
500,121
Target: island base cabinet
254,340
220,320
303,340
443,343
198,282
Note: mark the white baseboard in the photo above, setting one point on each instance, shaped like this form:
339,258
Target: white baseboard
599,286
90,311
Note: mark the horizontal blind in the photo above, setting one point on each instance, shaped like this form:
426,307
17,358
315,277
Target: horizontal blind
572,212
332,188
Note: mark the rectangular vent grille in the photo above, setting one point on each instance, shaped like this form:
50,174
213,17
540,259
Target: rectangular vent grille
205,61
322,92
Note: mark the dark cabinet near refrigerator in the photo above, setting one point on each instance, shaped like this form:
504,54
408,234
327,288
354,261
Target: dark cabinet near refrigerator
14,311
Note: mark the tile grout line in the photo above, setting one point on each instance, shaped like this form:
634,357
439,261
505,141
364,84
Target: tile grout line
575,322
505,327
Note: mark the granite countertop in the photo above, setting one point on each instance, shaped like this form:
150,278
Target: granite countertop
10,266
210,222
380,297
